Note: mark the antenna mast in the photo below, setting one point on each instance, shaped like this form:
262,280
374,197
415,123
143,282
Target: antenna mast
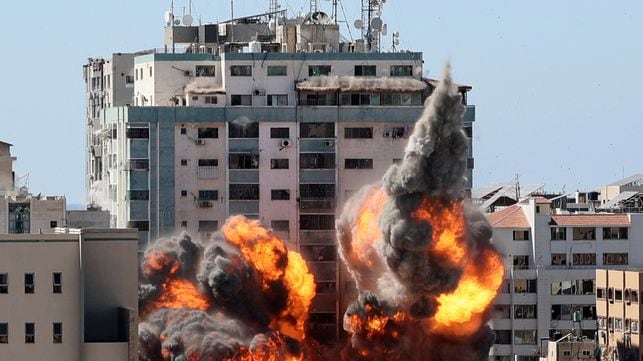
313,6
335,11
371,29
274,5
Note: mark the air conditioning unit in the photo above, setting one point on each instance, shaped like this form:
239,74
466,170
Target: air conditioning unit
259,92
329,143
388,134
286,143
187,73
205,204
199,142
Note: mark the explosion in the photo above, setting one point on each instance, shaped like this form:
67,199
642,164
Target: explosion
243,296
420,255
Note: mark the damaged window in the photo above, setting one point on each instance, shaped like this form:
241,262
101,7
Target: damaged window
521,262
240,70
401,70
558,259
525,286
317,70
365,70
205,71
243,161
243,130
244,192
580,233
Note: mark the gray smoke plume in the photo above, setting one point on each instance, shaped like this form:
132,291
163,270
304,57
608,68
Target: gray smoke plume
403,272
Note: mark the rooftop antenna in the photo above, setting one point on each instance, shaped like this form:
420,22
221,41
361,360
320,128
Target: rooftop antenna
187,18
313,6
274,6
231,21
371,24
335,11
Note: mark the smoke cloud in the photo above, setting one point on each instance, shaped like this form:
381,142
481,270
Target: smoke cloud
352,83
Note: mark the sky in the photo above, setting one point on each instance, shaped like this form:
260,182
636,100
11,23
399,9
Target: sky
555,83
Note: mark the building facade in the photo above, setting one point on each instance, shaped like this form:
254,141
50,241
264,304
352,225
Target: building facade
550,262
69,296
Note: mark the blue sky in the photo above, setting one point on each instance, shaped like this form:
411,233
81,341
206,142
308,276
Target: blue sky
555,84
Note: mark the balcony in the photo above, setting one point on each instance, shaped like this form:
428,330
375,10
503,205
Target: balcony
329,203
207,172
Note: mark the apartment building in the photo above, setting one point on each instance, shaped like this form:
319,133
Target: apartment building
618,309
272,118
550,262
69,296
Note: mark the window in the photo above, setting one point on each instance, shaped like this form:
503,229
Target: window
137,133
524,311
401,99
208,162
184,162
208,195
618,324
401,70
317,98
58,332
279,133
614,232
280,194
521,262
525,286
150,71
208,133
317,160
240,100
558,233
317,130
243,130
57,281
602,323
184,193
205,70
279,164
280,226
358,133
317,70
142,226
184,131
525,337
502,311
129,79
4,283
358,164
277,70
584,259
634,326
567,353
581,233
4,332
468,131
243,161
240,70
317,222
208,226
184,224
138,195
600,293
244,192
53,224
29,283
317,191
30,332
139,164
359,99
503,337
558,259
319,253
276,100
365,70
634,296
210,99
521,235
615,258
618,295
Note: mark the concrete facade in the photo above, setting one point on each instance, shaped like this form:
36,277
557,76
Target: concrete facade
82,284
550,262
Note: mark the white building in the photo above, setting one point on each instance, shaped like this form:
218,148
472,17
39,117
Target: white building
550,263
69,296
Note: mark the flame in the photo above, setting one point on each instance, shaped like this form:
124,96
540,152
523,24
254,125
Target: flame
269,256
366,230
178,293
157,261
375,323
272,350
461,311
448,228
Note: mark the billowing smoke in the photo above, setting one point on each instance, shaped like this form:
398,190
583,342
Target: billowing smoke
421,256
242,296
358,83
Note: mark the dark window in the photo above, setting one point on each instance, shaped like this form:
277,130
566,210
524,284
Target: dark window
208,162
241,99
279,133
29,283
142,226
277,70
306,98
58,332
211,99
615,258
580,233
558,259
584,259
184,131
184,193
208,195
502,311
280,225
502,337
319,253
279,164
53,224
317,160
280,194
139,164
138,195
244,192
205,70
57,282
317,222
525,311
240,70
618,295
558,233
276,100
317,191
243,161
365,70
521,262
358,133
30,332
184,224
184,162
4,283
208,226
138,133
401,70
468,131
243,130
614,232
208,133
600,293
525,286
317,130
358,163
521,235
317,70
401,99
4,332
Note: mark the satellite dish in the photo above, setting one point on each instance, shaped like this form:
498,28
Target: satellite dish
168,16
396,41
177,22
378,13
187,20
358,24
319,17
376,23
384,29
396,34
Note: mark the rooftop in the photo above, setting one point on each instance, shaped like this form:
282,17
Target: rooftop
637,179
510,217
591,220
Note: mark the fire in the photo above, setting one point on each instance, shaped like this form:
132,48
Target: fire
366,230
272,350
178,293
268,254
460,312
448,228
375,324
156,262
